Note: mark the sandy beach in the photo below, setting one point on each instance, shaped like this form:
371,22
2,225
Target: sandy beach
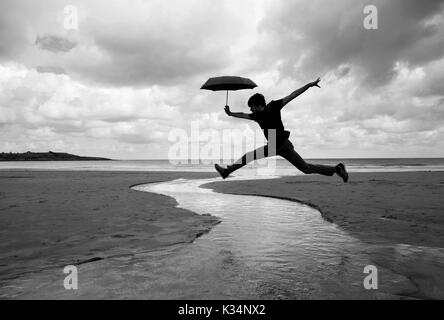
50,219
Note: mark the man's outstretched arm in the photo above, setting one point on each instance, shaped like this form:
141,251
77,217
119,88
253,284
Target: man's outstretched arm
237,114
300,91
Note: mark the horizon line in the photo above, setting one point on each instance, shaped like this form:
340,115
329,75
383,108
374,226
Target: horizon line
315,158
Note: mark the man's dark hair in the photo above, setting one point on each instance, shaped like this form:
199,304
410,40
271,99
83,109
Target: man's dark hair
256,100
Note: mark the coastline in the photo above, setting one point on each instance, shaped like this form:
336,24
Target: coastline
50,219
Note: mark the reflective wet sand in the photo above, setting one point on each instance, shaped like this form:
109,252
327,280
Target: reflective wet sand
264,248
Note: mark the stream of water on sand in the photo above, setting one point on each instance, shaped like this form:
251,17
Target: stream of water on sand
264,248
268,248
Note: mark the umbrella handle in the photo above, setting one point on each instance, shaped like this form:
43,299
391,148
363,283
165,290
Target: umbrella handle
226,100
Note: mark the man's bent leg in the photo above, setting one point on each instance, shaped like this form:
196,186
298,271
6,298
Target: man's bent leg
287,151
259,153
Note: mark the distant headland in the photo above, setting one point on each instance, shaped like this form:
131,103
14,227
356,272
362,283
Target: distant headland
44,156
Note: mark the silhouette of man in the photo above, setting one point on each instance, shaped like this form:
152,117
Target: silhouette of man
268,116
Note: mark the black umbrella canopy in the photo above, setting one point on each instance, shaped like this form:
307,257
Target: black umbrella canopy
227,83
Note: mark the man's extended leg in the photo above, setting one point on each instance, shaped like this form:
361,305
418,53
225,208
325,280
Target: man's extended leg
287,151
259,153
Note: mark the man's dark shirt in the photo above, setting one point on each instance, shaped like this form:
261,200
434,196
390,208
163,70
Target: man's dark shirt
270,118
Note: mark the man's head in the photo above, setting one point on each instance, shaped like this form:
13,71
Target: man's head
256,103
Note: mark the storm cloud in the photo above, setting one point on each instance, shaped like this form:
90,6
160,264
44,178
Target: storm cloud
54,43
50,69
318,36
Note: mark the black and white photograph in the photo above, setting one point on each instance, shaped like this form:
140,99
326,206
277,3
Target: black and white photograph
230,151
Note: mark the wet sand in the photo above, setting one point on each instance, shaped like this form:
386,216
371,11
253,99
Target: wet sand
52,219
405,208
399,214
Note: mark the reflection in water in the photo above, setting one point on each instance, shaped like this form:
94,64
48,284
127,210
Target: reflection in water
264,248
271,248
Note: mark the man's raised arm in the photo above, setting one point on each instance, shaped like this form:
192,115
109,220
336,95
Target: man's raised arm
237,114
300,91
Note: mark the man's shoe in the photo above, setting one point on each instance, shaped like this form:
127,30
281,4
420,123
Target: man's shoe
222,171
342,172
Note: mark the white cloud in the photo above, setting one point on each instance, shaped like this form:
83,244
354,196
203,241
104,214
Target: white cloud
132,72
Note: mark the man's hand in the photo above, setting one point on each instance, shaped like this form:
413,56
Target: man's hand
240,115
315,83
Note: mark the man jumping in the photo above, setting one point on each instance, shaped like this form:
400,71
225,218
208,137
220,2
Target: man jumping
268,116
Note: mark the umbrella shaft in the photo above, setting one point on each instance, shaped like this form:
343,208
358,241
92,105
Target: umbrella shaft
226,101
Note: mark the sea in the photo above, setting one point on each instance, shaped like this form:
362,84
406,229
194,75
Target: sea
271,166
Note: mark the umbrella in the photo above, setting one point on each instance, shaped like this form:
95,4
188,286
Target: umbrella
228,83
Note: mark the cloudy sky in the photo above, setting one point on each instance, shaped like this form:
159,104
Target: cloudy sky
130,74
